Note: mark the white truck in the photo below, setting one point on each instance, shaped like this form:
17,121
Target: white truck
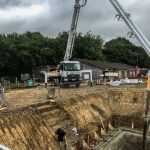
70,71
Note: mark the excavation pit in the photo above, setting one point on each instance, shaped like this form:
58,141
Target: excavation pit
125,140
98,115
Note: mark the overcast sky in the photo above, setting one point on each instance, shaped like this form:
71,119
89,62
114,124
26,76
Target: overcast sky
53,16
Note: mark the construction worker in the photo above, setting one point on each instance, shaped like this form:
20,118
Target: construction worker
146,114
148,81
61,137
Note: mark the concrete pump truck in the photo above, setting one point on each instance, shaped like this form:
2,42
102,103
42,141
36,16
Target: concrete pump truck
70,71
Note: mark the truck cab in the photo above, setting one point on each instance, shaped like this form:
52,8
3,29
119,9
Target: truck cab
70,73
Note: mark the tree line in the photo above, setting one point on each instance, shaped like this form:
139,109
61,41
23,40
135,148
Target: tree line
19,53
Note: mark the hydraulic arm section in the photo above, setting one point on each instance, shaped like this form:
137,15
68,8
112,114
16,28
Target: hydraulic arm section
126,17
72,33
132,26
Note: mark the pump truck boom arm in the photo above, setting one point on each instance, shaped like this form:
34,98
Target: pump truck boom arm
132,26
143,40
72,32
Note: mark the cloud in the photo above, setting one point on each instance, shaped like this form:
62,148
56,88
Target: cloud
53,16
13,3
21,12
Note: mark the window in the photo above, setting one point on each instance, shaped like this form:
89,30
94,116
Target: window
72,67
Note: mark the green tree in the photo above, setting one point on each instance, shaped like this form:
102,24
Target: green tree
88,46
19,53
122,50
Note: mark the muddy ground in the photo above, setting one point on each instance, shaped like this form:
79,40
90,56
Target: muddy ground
30,120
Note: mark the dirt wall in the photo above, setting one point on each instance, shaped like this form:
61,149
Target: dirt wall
90,111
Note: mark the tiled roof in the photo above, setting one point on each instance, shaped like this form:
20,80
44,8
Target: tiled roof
46,66
106,65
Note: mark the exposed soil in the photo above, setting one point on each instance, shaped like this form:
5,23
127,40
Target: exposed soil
30,120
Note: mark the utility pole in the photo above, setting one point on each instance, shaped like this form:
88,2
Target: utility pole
1,95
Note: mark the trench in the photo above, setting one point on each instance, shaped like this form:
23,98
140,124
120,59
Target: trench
103,120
